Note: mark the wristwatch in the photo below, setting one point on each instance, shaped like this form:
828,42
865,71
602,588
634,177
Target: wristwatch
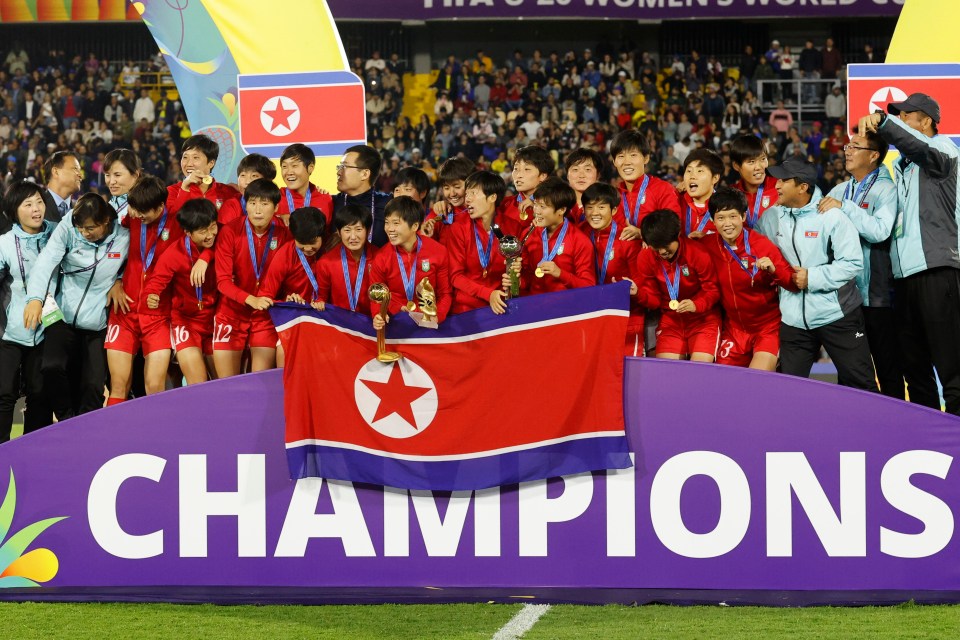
883,116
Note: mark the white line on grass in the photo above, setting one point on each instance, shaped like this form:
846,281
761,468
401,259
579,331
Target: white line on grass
522,622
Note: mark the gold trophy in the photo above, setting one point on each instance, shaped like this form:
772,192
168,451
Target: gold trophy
428,301
380,292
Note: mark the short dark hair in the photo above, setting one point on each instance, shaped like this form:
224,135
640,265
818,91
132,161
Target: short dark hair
629,140
578,156
660,228
307,224
706,158
55,162
745,147
202,143
414,177
489,183
259,163
601,193
726,198
454,170
91,207
129,159
800,182
367,158
147,194
263,188
409,210
196,214
14,197
877,142
352,214
301,152
536,156
556,193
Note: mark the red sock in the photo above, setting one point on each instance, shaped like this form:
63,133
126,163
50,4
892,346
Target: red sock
112,401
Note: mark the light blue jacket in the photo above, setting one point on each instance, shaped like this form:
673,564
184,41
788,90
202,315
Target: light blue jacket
86,271
30,248
828,246
873,213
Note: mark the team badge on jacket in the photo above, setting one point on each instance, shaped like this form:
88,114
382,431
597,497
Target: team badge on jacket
765,202
165,235
425,265
273,244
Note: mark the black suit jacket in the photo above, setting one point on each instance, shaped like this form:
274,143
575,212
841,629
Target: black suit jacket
53,213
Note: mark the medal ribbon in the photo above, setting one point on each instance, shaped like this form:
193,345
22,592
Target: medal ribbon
634,220
409,280
602,268
198,290
703,220
673,286
754,216
549,256
353,294
146,257
306,199
310,275
484,256
258,265
746,247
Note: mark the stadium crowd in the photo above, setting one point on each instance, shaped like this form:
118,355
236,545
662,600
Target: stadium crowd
746,241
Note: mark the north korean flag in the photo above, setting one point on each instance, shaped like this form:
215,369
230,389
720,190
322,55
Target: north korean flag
324,110
874,86
484,400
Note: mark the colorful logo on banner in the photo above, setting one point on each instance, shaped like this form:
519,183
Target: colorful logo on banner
19,569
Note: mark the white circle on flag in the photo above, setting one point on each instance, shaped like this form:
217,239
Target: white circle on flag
882,97
280,116
397,399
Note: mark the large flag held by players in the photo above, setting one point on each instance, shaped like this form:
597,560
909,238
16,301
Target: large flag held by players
482,401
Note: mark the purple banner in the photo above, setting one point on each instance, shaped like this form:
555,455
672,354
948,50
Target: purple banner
607,9
745,482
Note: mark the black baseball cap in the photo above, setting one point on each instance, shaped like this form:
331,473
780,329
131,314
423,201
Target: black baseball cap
916,102
794,168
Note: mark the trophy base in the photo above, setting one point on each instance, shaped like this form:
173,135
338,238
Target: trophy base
424,321
388,356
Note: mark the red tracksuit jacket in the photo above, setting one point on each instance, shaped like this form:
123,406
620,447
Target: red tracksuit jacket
698,278
658,195
431,261
333,287
286,275
217,193
767,193
236,278
471,288
574,257
174,267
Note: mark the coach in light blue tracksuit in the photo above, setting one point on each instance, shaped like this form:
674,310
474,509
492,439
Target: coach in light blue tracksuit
824,250
925,249
869,200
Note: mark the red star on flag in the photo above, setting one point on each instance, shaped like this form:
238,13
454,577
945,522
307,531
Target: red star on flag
396,396
280,116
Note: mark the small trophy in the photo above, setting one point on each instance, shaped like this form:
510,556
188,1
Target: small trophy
428,302
510,248
379,292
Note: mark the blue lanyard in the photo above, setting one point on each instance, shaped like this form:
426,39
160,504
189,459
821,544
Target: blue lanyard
409,280
310,275
243,204
146,257
448,218
353,293
120,204
483,255
306,199
754,216
607,253
548,256
746,247
863,188
703,220
373,211
634,220
198,290
258,266
23,271
673,286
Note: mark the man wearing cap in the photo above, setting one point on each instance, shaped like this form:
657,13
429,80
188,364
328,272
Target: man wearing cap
824,251
925,249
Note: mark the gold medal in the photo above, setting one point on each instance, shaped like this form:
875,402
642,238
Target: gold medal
484,273
411,306
206,180
524,215
539,272
200,305
674,305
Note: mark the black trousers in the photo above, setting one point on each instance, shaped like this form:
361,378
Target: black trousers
884,347
20,369
846,343
927,315
74,369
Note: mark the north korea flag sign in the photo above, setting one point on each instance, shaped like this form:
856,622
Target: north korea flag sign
324,110
482,401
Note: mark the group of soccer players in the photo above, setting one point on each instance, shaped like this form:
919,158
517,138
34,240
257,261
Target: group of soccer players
192,269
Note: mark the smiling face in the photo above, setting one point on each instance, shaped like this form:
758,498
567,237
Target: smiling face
790,194
204,238
630,164
599,215
30,213
859,155
399,233
453,193
119,179
546,216
582,175
195,160
407,190
699,181
296,175
729,223
67,177
753,170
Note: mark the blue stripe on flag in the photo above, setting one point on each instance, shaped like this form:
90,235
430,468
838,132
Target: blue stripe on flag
267,80
948,70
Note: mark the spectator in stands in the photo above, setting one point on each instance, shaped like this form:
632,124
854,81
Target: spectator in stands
835,106
17,60
144,108
832,60
809,63
780,122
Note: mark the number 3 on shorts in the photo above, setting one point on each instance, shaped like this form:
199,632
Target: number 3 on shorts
222,332
725,348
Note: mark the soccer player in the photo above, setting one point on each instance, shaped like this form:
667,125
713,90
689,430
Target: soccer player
356,174
244,252
476,265
412,182
749,159
191,315
293,274
408,260
701,173
531,166
251,168
450,208
614,258
558,255
824,252
343,274
750,268
640,194
137,327
296,166
198,156
584,168
676,276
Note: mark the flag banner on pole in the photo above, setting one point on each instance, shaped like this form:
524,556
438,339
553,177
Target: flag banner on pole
483,401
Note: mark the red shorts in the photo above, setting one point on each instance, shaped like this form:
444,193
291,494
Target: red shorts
133,332
193,331
236,334
634,342
688,333
738,345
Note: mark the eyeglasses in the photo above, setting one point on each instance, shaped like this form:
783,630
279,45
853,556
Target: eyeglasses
853,146
342,166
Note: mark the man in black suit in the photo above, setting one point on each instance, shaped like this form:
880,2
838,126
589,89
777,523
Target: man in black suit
63,175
